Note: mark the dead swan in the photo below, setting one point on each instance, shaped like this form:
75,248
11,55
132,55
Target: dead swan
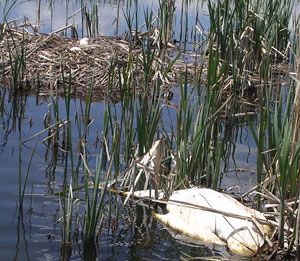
241,235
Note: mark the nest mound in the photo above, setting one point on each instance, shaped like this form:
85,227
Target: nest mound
52,63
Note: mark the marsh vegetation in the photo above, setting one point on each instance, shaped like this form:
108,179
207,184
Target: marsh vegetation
175,94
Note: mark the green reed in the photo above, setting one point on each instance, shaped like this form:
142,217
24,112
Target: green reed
7,8
276,159
246,32
94,202
23,176
128,110
66,214
17,54
17,62
166,18
140,120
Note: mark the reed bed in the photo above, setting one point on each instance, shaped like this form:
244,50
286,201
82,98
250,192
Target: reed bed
32,61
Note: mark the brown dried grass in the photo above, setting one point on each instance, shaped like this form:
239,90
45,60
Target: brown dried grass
51,61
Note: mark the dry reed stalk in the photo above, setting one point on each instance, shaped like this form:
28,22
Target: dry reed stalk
38,15
84,66
171,11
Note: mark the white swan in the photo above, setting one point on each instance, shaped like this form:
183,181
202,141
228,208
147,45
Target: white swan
240,234
84,42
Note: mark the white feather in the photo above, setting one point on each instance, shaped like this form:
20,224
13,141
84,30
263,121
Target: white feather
241,235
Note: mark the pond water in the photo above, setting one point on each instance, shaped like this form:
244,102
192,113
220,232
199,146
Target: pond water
55,15
130,233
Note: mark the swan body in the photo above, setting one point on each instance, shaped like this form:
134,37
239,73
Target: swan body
240,234
149,193
84,42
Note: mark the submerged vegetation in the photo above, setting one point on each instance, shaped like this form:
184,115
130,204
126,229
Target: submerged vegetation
242,69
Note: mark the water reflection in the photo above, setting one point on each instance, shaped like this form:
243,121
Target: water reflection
55,15
23,235
127,233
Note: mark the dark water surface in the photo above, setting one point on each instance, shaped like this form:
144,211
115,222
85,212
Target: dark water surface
130,234
35,232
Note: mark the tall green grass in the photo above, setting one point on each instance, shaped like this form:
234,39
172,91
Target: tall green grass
276,159
246,34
